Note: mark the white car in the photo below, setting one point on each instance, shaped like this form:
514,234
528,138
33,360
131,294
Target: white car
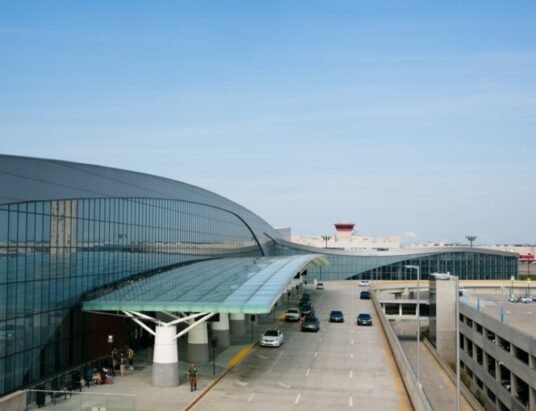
272,338
319,286
526,300
293,314
364,283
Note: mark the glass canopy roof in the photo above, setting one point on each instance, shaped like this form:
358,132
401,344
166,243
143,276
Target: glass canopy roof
229,285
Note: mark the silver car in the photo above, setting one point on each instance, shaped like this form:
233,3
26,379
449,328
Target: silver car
272,338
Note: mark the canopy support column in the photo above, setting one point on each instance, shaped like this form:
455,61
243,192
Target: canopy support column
238,324
220,330
166,357
197,348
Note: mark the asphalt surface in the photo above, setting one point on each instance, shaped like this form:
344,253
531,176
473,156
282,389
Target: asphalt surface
342,366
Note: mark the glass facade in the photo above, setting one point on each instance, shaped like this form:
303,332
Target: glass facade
466,265
69,229
52,252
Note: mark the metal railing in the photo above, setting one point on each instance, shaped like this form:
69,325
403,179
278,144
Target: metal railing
82,401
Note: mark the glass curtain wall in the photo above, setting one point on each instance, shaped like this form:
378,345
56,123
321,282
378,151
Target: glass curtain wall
53,252
467,265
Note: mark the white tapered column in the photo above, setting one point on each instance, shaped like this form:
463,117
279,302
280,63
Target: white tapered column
237,324
197,349
220,330
166,357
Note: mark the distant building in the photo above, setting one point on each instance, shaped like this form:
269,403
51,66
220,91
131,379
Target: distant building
346,238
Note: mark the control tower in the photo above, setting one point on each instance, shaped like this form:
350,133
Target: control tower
344,230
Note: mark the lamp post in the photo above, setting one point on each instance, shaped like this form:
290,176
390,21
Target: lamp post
326,238
457,344
418,269
470,238
528,287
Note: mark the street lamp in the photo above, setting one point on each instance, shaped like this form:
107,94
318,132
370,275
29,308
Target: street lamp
528,287
457,344
325,238
470,238
418,269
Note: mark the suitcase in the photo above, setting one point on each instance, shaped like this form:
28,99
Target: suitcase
109,379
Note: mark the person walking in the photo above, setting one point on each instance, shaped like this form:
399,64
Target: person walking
122,364
192,377
130,356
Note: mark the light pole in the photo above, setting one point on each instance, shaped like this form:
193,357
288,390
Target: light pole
470,238
528,287
326,238
457,344
418,269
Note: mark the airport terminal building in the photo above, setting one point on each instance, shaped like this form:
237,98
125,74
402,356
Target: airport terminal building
71,231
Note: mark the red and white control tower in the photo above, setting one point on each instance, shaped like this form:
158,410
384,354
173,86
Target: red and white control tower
344,230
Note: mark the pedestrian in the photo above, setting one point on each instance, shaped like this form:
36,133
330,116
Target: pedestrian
114,361
192,377
122,364
130,355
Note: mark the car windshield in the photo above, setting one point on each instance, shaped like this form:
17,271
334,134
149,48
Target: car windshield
336,313
270,333
364,316
293,310
310,320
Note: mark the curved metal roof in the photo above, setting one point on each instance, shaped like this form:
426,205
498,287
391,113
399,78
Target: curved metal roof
229,285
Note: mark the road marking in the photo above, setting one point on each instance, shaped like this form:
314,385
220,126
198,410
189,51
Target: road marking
352,355
351,374
320,340
316,354
275,363
351,402
262,357
297,399
282,384
251,397
351,341
236,359
307,372
241,383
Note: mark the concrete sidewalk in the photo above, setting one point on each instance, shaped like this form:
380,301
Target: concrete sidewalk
136,388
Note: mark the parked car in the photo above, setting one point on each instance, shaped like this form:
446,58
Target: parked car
364,295
336,317
311,323
526,300
305,298
293,314
272,338
514,300
364,319
364,283
319,286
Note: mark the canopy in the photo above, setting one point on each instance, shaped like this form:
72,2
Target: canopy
228,285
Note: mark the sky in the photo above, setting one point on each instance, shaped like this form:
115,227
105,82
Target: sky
409,118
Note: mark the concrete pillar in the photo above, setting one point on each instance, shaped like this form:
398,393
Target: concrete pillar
220,330
197,348
166,357
237,324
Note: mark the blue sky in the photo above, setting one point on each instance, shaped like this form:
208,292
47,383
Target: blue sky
408,118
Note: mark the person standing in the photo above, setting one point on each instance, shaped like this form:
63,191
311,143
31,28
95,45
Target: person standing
122,364
130,356
192,377
114,361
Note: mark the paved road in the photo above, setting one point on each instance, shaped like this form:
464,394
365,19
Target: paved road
436,384
342,366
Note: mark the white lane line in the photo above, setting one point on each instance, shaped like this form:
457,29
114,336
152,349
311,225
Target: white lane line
351,341
316,354
351,374
320,340
307,372
251,397
282,384
352,355
297,399
275,363
351,402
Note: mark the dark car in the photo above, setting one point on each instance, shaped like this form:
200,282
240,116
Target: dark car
364,295
306,308
310,323
305,298
336,317
364,319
